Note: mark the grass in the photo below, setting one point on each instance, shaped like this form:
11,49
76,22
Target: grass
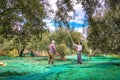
37,68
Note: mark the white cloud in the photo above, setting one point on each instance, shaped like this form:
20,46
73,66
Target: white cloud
79,29
51,28
53,4
50,25
80,14
77,19
82,30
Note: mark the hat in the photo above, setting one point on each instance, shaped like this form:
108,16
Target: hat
53,41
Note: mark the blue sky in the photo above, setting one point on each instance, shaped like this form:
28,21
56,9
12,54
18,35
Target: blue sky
78,20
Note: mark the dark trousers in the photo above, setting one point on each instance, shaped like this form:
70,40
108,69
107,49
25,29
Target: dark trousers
79,58
51,58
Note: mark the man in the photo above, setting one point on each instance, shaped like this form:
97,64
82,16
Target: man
52,51
79,50
21,52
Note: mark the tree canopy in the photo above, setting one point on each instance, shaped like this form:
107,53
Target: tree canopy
22,20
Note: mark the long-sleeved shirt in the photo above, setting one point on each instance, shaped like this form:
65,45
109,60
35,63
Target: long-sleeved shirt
78,47
52,48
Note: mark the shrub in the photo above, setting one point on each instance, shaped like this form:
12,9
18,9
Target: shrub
13,53
97,51
62,49
85,47
2,53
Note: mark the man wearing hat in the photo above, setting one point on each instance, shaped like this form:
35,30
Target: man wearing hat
52,51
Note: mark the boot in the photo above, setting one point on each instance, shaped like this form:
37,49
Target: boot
52,63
